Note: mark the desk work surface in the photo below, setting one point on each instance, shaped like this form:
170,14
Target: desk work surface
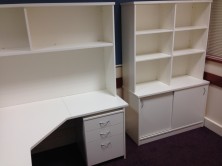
22,127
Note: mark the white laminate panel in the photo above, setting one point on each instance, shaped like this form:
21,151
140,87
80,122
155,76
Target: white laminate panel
189,106
92,103
105,150
103,134
24,126
155,114
103,122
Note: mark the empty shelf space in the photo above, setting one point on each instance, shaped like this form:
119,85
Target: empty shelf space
154,43
146,57
187,52
191,39
13,30
48,25
151,31
155,16
151,88
186,81
192,14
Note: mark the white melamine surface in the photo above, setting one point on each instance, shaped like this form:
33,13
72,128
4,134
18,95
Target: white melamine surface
101,122
56,4
186,82
24,126
155,117
92,102
114,148
165,2
151,88
145,57
144,32
189,106
24,51
177,83
190,28
104,133
187,52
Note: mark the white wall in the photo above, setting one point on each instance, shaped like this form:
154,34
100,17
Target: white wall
213,119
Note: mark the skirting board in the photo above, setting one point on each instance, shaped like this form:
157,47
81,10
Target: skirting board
169,133
214,126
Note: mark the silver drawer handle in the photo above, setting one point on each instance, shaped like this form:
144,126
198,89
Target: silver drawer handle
105,146
105,135
103,124
204,91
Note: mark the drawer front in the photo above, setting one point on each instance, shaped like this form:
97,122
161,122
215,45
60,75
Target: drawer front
99,151
104,133
103,122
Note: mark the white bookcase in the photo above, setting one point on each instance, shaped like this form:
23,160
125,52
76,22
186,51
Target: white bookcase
53,55
164,48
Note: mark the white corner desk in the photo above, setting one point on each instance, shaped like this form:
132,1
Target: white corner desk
22,127
57,62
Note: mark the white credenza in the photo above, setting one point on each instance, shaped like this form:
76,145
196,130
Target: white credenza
57,62
164,49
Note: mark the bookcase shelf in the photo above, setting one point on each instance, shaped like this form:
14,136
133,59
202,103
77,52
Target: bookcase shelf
187,52
147,57
152,31
190,28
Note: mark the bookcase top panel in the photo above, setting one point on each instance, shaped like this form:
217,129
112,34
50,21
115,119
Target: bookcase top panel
56,4
165,2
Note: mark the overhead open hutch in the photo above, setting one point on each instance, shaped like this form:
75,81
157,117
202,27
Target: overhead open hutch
164,48
57,62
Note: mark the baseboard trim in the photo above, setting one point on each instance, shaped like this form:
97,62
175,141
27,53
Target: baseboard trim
169,133
213,126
